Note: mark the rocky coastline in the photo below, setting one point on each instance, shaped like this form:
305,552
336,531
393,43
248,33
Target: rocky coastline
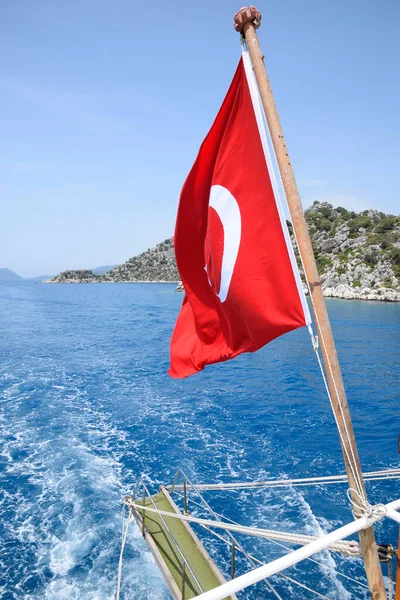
357,254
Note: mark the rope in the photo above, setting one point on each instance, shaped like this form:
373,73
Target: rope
250,558
346,547
302,585
253,558
364,508
329,479
324,566
353,465
315,344
273,590
125,529
234,540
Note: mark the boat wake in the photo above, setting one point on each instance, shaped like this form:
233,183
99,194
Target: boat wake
84,412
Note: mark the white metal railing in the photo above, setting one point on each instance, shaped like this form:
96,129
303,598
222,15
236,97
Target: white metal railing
377,513
143,508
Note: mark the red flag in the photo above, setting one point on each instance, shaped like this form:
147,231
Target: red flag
232,247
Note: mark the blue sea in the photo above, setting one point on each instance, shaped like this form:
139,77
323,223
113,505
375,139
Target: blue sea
86,408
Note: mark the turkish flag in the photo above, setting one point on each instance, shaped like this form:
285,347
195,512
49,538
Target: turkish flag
232,246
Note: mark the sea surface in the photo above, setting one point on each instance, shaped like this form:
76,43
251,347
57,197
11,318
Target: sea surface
87,407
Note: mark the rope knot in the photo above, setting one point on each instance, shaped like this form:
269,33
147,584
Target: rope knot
378,511
362,508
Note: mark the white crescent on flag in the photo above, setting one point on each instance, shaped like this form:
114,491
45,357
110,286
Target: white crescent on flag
227,208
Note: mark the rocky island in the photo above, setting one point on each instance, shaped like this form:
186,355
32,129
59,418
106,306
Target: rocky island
76,276
155,265
358,256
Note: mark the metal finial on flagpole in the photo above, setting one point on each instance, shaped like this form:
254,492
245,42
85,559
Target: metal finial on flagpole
246,21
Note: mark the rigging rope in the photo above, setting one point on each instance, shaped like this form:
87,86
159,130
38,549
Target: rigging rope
278,483
125,529
362,507
218,517
264,132
273,590
345,547
234,540
253,558
324,566
352,465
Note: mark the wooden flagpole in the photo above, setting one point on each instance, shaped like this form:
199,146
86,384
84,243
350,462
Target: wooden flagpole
246,21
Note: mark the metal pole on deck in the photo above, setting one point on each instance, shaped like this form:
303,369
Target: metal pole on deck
183,580
246,21
233,561
185,510
143,512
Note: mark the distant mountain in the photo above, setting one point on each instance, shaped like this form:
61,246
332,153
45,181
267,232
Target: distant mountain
102,270
7,275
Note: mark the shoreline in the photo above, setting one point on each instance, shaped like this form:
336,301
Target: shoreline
71,281
347,292
340,292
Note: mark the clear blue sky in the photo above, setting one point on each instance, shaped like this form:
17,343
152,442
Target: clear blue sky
104,105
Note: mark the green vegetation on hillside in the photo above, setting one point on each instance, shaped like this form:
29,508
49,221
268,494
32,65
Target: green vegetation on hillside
371,236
